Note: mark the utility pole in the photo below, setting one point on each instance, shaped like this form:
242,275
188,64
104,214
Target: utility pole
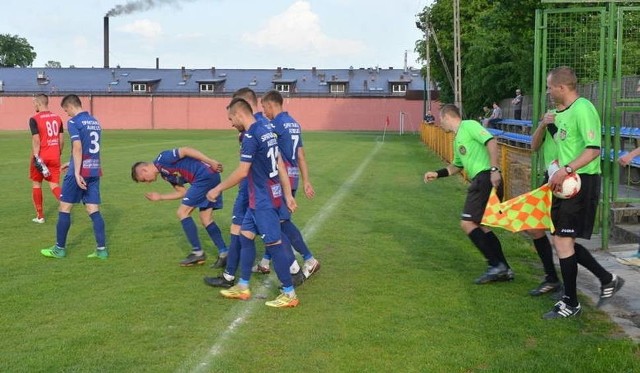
426,28
456,51
428,53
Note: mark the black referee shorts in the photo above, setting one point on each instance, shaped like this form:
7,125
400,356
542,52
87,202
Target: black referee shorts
575,217
477,197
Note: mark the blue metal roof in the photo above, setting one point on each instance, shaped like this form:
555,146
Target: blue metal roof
360,81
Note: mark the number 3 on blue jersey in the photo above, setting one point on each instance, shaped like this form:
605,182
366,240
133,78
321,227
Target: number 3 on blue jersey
95,144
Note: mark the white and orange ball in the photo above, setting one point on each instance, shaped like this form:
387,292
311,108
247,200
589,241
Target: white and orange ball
571,184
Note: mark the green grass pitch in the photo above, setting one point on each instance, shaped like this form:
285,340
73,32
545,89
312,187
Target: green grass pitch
395,292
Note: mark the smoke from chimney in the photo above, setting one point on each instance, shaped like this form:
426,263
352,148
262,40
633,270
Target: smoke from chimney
139,6
128,8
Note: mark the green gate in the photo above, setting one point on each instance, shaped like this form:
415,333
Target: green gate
600,40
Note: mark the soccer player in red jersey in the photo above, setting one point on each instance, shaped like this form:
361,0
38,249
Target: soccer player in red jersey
46,144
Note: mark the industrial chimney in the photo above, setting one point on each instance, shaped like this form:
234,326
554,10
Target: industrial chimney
106,42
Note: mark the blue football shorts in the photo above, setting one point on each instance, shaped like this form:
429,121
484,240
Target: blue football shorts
265,223
72,193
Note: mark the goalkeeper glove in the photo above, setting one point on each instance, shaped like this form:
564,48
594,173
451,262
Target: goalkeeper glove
40,166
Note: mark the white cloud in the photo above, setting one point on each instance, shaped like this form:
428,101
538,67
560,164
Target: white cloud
298,30
143,27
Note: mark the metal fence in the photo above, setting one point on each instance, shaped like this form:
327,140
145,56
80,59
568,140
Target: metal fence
515,162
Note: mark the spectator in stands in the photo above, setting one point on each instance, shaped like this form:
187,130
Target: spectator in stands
429,118
517,105
486,114
496,116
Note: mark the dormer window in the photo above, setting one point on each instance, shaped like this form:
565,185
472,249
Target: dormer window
143,85
399,88
139,87
207,88
338,88
283,87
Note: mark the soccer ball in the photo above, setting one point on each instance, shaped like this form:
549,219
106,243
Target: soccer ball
570,187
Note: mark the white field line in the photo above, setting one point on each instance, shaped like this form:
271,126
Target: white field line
246,308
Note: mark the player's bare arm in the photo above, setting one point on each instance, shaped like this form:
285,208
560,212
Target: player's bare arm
286,186
196,154
496,176
538,135
35,144
589,154
178,193
234,179
627,158
443,172
61,141
309,192
76,150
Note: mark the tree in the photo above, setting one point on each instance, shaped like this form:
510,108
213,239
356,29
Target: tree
15,51
53,64
497,48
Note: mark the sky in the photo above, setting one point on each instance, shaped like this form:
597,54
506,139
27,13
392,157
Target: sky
231,34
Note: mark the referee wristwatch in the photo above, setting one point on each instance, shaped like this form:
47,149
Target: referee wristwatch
568,169
494,169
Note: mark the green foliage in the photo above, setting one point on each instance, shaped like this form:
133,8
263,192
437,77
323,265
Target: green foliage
53,64
395,292
496,48
15,51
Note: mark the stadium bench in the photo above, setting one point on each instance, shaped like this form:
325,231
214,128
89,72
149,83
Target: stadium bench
515,139
514,126
495,132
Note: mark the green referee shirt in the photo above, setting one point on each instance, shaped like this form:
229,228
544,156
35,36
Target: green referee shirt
578,128
469,148
549,147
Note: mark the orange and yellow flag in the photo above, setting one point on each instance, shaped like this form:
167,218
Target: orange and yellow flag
527,211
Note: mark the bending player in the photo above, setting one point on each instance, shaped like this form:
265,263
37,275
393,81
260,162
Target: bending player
182,166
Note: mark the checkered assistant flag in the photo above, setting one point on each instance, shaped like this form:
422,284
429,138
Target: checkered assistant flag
527,211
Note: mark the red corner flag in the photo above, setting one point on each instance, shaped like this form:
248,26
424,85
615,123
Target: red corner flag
528,211
387,122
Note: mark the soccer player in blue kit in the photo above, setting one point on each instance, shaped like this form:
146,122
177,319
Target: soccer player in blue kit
267,183
292,151
182,166
227,278
82,181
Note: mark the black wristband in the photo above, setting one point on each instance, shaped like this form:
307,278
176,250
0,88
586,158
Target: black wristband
443,172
